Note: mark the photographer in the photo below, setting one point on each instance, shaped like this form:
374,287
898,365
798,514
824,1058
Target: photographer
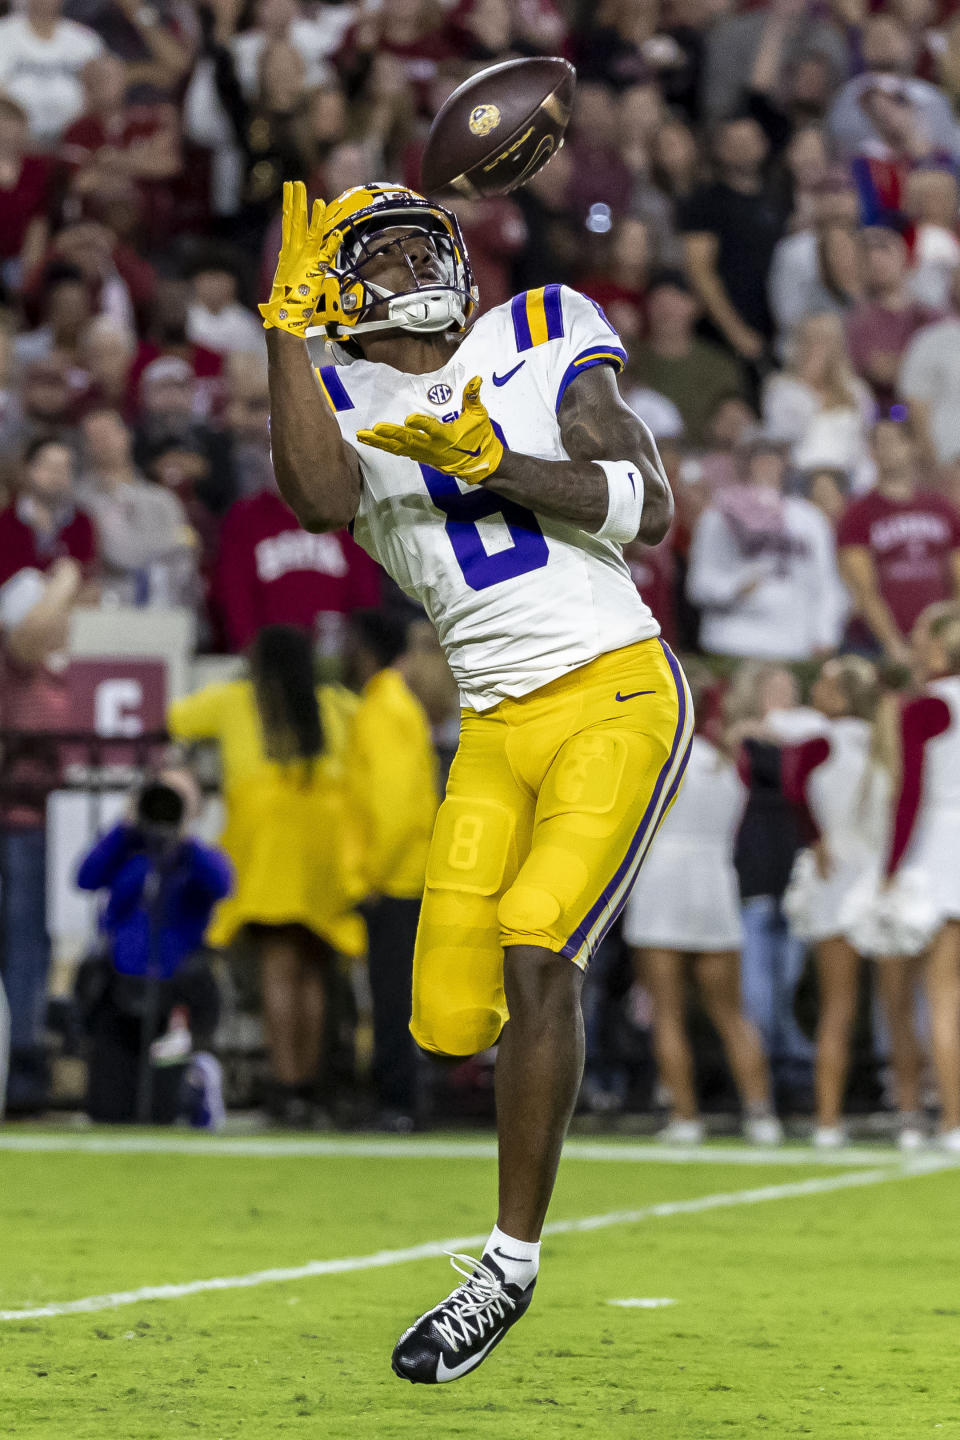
163,886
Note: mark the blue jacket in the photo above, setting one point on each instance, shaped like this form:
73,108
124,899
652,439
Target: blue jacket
189,885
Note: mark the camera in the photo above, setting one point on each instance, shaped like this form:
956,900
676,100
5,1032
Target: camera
160,809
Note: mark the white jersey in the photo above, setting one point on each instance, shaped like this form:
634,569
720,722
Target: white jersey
517,598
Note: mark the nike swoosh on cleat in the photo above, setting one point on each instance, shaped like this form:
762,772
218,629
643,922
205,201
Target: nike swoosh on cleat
443,1373
633,695
630,477
519,1259
502,379
468,452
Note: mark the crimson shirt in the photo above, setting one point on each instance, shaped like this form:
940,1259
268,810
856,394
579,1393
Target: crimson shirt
20,548
23,202
271,572
911,542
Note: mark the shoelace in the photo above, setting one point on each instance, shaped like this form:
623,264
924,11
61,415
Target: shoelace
481,1298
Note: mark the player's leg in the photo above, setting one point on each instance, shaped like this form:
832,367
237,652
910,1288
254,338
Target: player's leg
838,971
943,992
718,978
602,778
539,1069
482,828
662,971
896,987
459,1008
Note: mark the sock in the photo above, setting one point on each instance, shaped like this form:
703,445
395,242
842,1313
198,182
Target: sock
759,1110
518,1259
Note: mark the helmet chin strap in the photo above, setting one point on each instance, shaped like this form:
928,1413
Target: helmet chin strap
422,311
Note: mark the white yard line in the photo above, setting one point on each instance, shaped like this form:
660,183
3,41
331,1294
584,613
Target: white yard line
433,1248
375,1148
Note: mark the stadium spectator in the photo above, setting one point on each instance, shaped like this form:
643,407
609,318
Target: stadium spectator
106,352
816,404
816,268
899,546
65,310
929,381
282,745
391,777
760,711
247,418
154,985
841,797
41,59
675,362
216,319
43,523
685,905
122,152
147,549
167,338
271,572
913,109
731,227
34,614
882,324
763,570
26,190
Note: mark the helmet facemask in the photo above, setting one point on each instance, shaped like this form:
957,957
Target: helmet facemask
428,306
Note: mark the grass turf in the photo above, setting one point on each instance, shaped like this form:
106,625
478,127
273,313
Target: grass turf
831,1315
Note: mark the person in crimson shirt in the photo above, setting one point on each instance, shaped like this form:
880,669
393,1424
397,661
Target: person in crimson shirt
25,184
115,143
899,545
271,572
42,524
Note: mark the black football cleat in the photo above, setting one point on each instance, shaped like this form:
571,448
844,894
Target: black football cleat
458,1334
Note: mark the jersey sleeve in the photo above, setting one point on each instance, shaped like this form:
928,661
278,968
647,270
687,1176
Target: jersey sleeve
921,719
201,716
572,330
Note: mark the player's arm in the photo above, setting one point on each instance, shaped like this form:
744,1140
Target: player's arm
595,424
613,486
317,472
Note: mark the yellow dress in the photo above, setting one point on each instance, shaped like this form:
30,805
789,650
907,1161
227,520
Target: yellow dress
285,823
392,784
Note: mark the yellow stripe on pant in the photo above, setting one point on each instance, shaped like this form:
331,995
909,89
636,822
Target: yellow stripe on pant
552,802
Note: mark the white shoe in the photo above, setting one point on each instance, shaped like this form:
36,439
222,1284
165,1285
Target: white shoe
911,1139
681,1132
829,1137
763,1130
949,1140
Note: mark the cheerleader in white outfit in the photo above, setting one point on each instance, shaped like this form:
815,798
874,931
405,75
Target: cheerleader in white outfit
926,838
686,903
840,795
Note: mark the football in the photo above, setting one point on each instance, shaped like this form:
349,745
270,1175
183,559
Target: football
499,127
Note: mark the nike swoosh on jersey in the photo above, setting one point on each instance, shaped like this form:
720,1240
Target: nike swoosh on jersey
502,379
468,452
443,1373
633,695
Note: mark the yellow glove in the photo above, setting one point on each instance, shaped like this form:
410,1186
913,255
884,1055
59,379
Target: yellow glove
301,264
467,447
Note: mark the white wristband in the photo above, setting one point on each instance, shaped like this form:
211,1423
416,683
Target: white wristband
624,502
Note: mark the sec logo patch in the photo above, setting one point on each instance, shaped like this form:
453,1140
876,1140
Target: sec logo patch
483,119
439,394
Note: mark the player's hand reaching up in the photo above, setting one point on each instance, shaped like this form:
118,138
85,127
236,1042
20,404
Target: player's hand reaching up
467,447
301,264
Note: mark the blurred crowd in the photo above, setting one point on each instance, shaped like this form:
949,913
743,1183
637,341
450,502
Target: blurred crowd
764,199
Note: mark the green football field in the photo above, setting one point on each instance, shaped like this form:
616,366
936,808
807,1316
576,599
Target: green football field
804,1298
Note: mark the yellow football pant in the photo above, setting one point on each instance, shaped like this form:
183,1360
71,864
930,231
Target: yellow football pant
551,805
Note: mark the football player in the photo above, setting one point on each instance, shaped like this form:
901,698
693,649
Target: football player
495,473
